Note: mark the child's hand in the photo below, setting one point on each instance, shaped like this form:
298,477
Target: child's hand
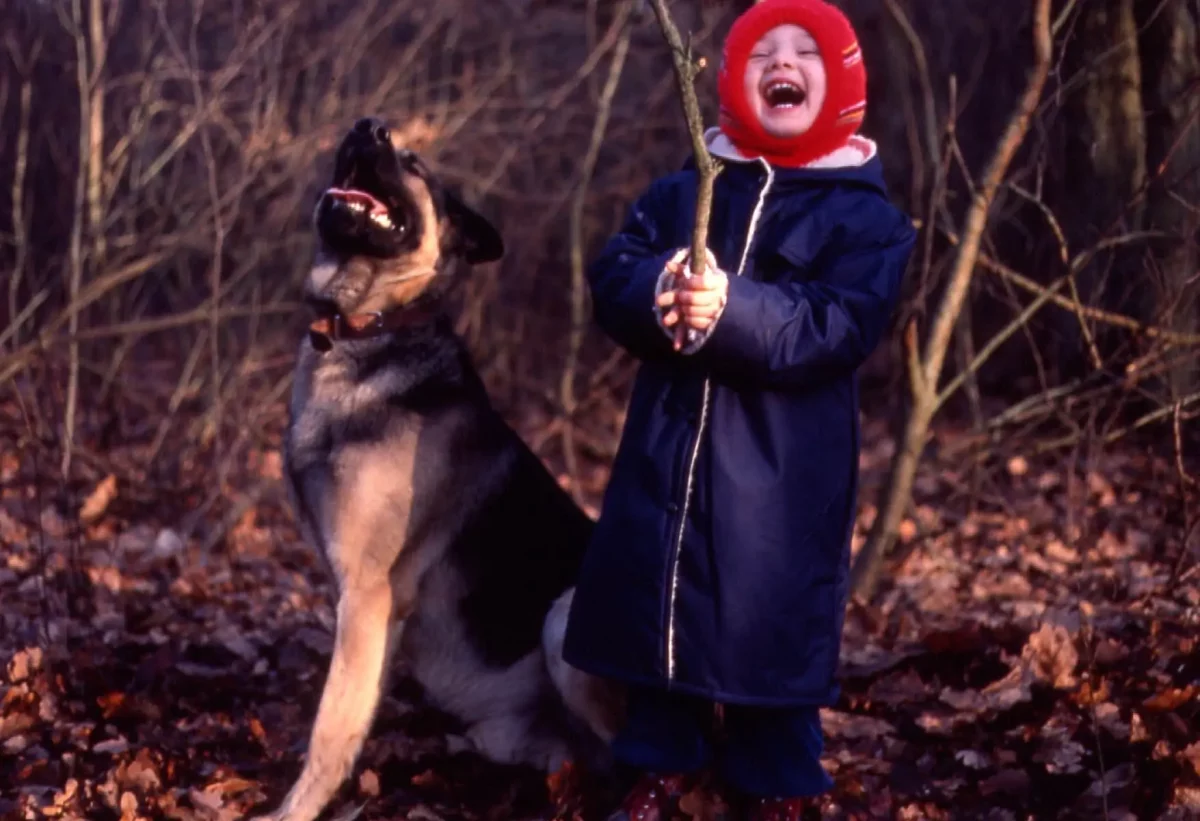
701,298
696,301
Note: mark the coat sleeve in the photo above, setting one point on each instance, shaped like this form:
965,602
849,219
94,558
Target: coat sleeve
796,333
624,277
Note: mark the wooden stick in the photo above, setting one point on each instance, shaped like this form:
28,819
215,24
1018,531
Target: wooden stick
707,168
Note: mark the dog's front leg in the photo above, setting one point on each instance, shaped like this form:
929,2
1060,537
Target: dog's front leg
348,702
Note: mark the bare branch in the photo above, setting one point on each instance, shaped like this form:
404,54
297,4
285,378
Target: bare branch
1097,314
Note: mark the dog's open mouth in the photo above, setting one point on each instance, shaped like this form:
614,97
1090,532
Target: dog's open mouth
362,203
783,94
368,208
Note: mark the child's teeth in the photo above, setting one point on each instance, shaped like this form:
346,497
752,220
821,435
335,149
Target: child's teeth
382,220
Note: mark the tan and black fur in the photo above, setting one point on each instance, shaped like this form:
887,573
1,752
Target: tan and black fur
447,538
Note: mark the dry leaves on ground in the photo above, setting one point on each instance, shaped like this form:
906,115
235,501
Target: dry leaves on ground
1031,656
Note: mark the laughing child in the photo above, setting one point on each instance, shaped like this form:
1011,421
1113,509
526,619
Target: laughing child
718,569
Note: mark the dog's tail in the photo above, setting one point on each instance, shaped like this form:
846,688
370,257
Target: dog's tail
598,702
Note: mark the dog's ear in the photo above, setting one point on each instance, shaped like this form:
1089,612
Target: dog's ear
474,235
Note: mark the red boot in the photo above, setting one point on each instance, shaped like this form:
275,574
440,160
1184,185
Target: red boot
653,798
776,809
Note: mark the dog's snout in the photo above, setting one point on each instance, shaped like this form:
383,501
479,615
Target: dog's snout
373,128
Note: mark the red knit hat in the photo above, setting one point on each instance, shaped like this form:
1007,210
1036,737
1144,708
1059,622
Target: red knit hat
846,82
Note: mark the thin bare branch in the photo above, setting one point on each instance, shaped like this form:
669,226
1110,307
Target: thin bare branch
579,316
1002,336
1097,314
84,83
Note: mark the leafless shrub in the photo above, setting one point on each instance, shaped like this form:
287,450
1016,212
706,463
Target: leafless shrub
158,162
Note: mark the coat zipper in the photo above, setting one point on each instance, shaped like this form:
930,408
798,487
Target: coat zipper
696,441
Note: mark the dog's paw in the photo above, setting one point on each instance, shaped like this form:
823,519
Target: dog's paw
499,739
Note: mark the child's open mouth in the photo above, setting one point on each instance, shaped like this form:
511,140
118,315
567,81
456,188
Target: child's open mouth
783,94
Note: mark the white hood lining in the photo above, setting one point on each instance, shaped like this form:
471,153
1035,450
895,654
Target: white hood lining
857,152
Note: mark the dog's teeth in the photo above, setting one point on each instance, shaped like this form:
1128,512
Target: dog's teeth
382,220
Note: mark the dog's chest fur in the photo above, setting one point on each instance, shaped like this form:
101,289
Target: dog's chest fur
353,455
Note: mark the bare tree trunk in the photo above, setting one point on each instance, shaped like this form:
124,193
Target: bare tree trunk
1171,65
1105,163
925,371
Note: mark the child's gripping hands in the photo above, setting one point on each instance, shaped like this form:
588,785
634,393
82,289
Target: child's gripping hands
689,305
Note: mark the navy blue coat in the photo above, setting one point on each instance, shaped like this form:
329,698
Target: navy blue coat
719,563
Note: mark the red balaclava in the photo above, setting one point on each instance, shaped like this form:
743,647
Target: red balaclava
846,82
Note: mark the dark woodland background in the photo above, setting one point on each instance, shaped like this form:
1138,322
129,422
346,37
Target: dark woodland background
158,166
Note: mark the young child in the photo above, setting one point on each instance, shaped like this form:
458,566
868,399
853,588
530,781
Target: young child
718,569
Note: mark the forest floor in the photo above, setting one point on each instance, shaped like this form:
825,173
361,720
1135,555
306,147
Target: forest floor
1033,654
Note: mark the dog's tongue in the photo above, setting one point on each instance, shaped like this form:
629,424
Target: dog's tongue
355,195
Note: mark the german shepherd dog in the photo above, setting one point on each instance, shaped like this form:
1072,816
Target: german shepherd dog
448,539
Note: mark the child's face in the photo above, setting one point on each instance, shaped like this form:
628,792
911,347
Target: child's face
785,81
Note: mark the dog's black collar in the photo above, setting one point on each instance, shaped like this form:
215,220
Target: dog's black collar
327,329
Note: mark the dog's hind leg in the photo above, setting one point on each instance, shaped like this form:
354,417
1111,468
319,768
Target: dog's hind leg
348,702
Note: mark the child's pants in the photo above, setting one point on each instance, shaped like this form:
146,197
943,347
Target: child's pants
769,752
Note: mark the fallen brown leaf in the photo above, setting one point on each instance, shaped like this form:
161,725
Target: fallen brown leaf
1052,656
1010,782
702,805
427,778
1191,754
24,664
1170,699
257,730
230,786
98,500
837,724
1187,798
368,783
111,703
